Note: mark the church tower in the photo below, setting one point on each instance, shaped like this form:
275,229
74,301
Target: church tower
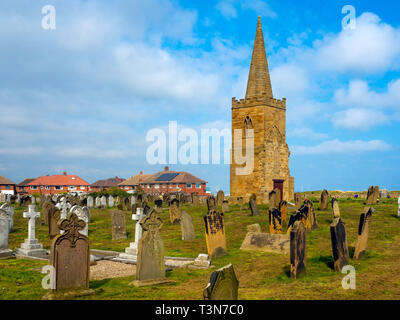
267,117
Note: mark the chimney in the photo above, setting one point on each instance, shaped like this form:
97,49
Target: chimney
141,172
166,168
65,173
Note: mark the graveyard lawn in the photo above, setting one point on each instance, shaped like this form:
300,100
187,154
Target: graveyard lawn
261,275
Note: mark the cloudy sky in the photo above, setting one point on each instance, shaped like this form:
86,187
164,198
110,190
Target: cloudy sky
81,98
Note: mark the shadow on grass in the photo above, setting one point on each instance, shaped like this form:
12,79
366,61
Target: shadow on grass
95,284
327,260
351,251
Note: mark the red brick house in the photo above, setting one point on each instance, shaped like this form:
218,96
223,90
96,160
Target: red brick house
105,184
166,182
58,183
23,187
7,186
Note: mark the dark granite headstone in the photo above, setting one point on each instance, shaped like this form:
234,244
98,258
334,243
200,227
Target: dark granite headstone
339,244
223,285
298,250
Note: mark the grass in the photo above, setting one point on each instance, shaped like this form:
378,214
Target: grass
261,275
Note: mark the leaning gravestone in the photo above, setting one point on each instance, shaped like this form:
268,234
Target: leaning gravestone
220,198
324,200
283,210
4,233
174,212
118,225
363,230
376,194
275,221
335,208
339,244
186,221
150,267
215,234
70,257
298,250
223,285
9,210
311,217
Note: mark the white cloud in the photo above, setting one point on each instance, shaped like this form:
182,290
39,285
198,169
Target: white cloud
359,119
306,133
288,80
342,147
229,8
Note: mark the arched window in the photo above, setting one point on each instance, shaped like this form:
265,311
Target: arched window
248,124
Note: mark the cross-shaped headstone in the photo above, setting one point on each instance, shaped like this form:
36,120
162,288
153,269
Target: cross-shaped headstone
31,215
138,228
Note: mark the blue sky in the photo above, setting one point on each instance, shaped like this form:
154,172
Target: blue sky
81,98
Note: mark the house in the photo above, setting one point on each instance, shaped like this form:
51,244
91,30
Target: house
58,183
7,186
165,182
105,184
22,187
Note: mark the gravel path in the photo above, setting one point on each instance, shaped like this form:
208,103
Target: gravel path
110,269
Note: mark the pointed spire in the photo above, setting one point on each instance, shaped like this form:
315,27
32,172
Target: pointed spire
259,80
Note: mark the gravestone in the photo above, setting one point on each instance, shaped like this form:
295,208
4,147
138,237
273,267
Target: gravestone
111,201
272,196
362,236
54,217
278,197
132,250
220,198
97,202
82,215
297,200
283,210
225,206
31,247
33,200
47,205
201,262
90,202
211,203
103,201
70,257
174,212
275,221
223,285
215,234
195,199
298,250
187,228
339,244
118,225
5,252
127,204
2,197
375,194
311,217
158,205
253,206
370,196
150,267
324,200
335,208
9,211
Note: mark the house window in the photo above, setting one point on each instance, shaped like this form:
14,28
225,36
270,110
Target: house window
58,188
156,186
126,188
33,187
8,187
189,185
170,185
71,188
47,187
164,185
198,186
82,188
148,186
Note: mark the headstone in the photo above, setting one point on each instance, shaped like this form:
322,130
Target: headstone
275,221
215,234
283,210
158,206
82,215
254,228
220,198
223,285
111,201
97,202
174,212
90,202
298,250
370,196
70,257
335,208
150,267
9,211
376,194
186,221
118,225
131,251
127,204
253,207
201,262
362,236
339,244
311,216
297,200
225,206
33,200
195,199
211,203
324,200
31,247
54,217
2,197
47,205
103,201
5,252
272,199
278,197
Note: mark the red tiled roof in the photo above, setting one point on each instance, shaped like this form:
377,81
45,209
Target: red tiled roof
25,182
112,182
135,180
59,180
4,180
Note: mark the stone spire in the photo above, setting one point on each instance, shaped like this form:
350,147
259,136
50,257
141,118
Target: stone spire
259,81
